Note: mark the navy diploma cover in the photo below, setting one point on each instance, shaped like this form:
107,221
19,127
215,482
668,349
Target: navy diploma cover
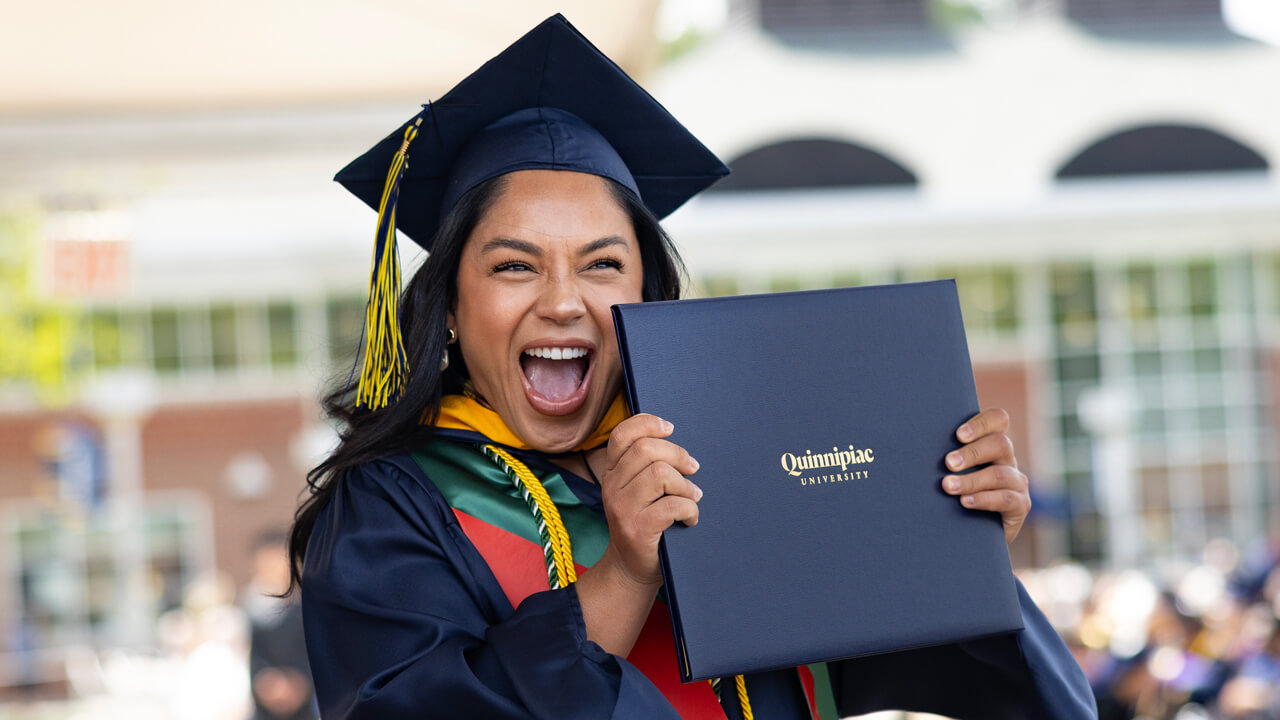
820,420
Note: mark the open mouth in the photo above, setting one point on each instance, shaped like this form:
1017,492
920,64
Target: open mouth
556,378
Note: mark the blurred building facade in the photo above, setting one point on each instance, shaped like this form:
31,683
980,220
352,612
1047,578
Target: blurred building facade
182,280
1097,178
1096,175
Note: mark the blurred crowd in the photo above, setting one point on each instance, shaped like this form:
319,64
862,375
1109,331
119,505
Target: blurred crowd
226,653
1188,641
1182,641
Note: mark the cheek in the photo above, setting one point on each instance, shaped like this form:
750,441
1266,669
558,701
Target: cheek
494,314
601,301
602,313
484,324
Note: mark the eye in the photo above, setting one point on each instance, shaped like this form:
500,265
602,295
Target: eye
605,264
512,266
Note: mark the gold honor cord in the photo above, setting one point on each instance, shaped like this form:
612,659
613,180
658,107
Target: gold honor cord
551,530
385,366
555,541
743,701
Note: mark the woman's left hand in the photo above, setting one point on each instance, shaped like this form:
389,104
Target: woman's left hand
999,487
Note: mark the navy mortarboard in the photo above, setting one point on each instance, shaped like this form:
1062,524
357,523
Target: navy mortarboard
551,100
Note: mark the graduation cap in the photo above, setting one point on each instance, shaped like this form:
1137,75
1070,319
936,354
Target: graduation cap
551,100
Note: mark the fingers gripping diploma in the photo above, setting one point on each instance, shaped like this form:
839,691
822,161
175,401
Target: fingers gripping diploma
645,490
998,487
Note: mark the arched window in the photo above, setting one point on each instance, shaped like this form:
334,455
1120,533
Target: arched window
1103,11
813,163
846,15
1160,149
1153,21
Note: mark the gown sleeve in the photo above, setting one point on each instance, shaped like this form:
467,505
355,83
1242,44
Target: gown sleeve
401,622
1027,674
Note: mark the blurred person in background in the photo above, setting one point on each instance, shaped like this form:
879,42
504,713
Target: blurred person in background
208,637
280,677
1209,650
1254,692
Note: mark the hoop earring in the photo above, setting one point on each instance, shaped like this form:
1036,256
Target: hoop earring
444,360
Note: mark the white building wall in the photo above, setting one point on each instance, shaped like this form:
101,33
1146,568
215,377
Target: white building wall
994,118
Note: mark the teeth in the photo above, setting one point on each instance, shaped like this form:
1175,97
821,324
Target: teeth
556,353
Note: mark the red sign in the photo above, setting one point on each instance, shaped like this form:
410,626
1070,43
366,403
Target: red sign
88,252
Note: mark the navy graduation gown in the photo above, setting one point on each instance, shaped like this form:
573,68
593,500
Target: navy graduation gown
404,619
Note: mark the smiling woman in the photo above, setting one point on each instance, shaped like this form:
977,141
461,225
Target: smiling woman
484,540
535,283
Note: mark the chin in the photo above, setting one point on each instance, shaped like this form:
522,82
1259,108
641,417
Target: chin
562,433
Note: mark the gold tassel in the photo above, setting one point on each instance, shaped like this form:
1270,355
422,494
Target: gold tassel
385,367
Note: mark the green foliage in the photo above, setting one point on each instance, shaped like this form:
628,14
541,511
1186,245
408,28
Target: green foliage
682,45
37,334
951,14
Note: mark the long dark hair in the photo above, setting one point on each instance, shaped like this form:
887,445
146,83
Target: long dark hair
424,306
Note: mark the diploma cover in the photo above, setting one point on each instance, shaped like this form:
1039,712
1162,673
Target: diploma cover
820,420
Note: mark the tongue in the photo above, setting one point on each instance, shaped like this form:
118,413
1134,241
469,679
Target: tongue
555,380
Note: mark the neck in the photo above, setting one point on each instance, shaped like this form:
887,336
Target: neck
577,463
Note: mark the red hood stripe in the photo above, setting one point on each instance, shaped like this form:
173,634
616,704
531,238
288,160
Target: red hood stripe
521,570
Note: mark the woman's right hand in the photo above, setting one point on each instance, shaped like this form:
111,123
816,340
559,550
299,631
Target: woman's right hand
645,491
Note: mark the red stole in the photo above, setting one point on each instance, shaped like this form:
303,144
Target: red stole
520,567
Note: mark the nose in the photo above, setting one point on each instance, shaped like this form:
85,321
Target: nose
561,300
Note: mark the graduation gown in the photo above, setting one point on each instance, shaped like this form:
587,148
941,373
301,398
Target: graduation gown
405,619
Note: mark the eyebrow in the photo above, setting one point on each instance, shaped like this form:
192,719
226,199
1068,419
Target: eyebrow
525,246
602,243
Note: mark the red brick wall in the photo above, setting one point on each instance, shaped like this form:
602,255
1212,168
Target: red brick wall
1006,385
188,448
191,448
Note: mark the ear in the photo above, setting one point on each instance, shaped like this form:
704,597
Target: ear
450,320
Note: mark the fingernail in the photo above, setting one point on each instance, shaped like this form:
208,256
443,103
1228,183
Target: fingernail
667,426
696,464
965,433
955,460
953,484
697,493
967,499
